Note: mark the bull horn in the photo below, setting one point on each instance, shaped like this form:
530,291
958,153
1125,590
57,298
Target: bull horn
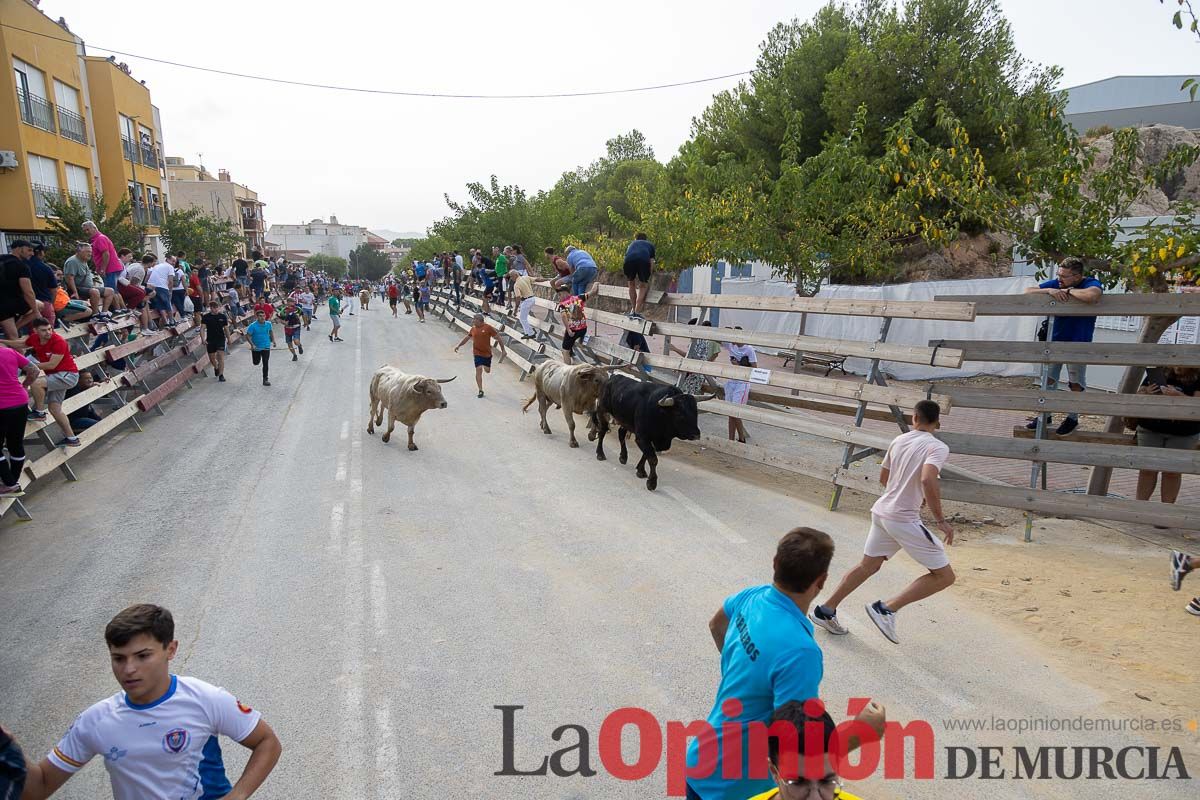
444,380
666,402
700,398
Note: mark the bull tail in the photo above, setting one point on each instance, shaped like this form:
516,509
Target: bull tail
528,403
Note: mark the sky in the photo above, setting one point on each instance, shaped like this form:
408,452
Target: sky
386,161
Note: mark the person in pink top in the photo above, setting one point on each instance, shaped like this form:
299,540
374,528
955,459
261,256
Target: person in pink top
14,406
910,479
104,255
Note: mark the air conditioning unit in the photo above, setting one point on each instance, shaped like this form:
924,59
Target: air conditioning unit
8,159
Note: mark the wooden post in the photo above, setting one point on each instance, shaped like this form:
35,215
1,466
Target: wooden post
848,454
1039,467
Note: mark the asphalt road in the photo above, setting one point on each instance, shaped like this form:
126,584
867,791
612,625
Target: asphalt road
377,604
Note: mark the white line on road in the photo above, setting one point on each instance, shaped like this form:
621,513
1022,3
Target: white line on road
340,474
691,505
378,601
386,753
345,430
337,520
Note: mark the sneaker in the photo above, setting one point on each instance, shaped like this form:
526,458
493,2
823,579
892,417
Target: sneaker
11,491
884,620
829,623
266,383
331,337
338,339
1193,607
480,393
1179,568
1067,426
295,357
221,378
70,441
35,415
301,348
1033,423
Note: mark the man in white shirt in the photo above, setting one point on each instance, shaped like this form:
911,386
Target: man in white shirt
910,478
162,280
158,737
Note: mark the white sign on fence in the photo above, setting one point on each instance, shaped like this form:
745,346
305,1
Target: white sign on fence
760,375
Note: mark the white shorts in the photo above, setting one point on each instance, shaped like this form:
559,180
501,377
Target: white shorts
888,536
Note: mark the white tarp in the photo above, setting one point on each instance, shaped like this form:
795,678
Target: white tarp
903,331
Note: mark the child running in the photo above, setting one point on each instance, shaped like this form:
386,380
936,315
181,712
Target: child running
335,313
292,322
214,331
482,335
306,306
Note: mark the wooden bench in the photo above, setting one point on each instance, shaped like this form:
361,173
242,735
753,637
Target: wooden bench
830,363
1091,437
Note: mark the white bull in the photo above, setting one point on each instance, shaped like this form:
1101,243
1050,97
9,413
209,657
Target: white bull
572,387
405,397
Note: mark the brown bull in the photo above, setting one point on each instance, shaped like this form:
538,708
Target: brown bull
405,397
572,387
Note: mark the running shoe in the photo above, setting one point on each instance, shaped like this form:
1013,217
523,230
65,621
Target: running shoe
12,491
480,393
1179,568
221,378
301,348
1193,607
70,441
295,357
829,623
884,620
1032,423
1067,426
35,415
331,337
266,383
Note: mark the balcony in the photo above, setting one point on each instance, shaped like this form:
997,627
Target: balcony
41,198
141,214
36,111
156,215
72,126
86,201
148,157
130,151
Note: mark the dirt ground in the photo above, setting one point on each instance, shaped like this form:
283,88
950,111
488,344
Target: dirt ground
1095,601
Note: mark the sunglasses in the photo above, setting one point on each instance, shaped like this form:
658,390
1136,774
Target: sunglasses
828,788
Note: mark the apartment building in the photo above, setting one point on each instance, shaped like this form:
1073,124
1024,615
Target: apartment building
194,186
71,124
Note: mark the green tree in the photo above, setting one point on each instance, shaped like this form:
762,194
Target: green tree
367,262
333,265
67,215
192,230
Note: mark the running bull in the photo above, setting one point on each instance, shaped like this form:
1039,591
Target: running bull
572,387
654,414
405,397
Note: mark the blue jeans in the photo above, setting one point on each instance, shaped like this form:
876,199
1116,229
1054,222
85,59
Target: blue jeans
581,279
110,280
162,300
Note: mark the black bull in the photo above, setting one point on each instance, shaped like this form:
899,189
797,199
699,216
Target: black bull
654,414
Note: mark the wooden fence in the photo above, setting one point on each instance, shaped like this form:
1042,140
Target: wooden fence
871,397
125,367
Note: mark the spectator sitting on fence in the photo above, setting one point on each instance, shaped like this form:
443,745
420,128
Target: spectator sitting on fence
86,416
53,355
135,299
1172,434
17,301
698,350
736,391
45,285
14,409
1069,286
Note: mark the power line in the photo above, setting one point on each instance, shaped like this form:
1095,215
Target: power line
393,92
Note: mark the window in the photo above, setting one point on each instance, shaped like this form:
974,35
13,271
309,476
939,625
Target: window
67,97
70,123
146,147
43,178
128,142
31,96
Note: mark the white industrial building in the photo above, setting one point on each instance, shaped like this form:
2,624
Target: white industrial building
327,238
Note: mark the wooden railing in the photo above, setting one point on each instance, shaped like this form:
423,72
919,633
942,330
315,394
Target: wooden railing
871,397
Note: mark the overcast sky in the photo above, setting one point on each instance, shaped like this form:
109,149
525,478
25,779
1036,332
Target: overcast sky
385,162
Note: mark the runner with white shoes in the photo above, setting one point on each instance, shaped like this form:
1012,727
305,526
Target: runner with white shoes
910,479
1182,564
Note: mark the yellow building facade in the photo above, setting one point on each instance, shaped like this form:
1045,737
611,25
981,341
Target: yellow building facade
74,125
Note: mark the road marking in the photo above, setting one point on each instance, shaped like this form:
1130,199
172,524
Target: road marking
387,754
340,474
345,430
692,506
337,520
378,601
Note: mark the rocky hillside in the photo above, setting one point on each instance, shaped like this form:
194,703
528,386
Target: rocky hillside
1156,142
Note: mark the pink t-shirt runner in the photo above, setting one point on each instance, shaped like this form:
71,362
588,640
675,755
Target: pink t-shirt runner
102,244
908,453
12,393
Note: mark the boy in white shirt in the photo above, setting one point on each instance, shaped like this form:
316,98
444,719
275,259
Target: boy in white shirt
910,477
158,737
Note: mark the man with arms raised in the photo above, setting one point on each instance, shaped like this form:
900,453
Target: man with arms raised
158,737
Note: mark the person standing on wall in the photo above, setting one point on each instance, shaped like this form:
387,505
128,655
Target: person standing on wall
639,263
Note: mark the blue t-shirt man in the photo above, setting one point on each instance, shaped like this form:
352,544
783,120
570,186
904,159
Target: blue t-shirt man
259,333
580,258
768,658
1072,329
639,251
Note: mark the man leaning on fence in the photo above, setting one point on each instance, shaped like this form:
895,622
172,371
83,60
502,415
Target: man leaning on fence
1069,287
